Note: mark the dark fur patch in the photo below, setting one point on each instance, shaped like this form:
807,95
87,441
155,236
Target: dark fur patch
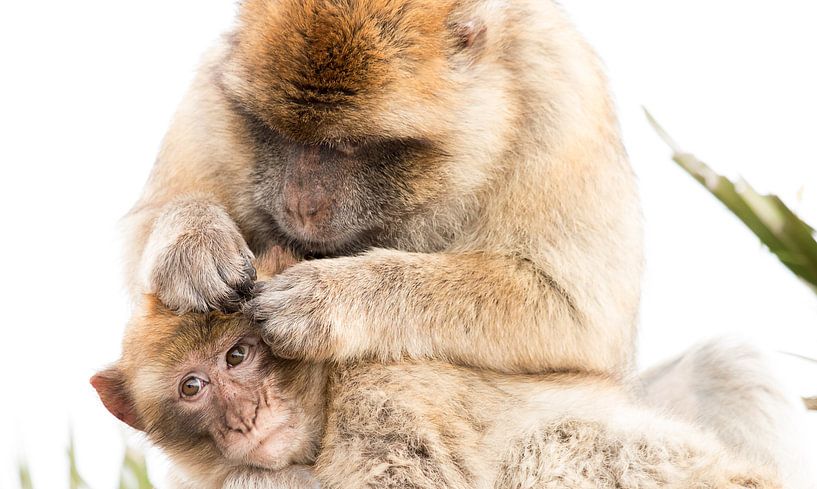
373,192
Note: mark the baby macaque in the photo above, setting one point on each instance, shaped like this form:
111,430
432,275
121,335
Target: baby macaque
208,391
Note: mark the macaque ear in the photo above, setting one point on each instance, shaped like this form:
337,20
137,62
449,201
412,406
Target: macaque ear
471,23
110,384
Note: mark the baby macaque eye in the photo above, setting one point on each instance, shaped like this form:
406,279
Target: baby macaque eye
236,355
191,386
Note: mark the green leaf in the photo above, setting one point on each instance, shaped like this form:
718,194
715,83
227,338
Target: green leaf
75,480
24,475
777,226
134,474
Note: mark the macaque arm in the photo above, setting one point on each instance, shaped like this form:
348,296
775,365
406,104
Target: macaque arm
182,241
472,309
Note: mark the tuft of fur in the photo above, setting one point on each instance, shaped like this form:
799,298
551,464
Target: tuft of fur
580,454
292,477
728,386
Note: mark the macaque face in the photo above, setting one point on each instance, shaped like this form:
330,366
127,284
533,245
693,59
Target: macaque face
227,394
204,387
324,198
350,107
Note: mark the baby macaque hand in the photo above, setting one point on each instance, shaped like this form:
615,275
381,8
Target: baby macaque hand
196,259
292,477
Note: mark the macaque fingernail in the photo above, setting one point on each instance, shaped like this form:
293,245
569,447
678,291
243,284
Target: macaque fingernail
245,290
231,303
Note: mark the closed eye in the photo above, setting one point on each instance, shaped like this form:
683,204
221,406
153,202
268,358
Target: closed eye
398,149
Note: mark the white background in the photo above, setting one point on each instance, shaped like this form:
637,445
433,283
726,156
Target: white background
87,89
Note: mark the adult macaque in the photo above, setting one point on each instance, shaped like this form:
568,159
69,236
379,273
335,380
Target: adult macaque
205,388
456,164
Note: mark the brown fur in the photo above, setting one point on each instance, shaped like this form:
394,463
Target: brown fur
437,426
326,67
456,164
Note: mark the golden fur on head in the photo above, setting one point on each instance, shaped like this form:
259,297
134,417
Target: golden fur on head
274,261
325,70
157,333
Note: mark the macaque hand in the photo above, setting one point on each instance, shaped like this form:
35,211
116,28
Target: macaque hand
196,259
295,309
292,477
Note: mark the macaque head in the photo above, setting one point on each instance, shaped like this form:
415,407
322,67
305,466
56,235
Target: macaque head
364,113
206,390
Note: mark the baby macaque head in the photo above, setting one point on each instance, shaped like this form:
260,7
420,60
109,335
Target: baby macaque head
206,390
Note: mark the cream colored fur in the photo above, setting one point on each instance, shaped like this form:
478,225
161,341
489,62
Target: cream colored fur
729,387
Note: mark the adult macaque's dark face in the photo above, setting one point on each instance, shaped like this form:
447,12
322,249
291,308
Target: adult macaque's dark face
326,197
204,386
351,112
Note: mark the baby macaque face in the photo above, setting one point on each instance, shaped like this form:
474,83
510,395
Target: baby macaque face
225,389
206,389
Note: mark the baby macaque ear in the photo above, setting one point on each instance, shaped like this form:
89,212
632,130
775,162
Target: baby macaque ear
110,384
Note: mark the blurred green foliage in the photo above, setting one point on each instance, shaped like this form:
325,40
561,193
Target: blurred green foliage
25,476
133,474
772,221
75,480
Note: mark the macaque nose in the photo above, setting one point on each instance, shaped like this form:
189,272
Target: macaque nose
307,209
240,418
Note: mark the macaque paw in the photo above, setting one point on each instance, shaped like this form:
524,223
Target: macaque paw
292,309
292,477
197,260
